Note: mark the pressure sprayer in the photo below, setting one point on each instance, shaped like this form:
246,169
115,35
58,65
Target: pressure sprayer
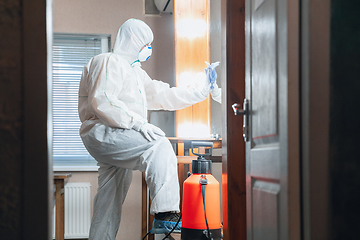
201,200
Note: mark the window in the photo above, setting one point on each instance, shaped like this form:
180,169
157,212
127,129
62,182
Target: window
70,54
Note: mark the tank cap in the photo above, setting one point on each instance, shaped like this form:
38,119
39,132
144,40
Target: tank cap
201,166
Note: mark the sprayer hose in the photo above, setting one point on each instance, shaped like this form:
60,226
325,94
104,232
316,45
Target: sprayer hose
204,182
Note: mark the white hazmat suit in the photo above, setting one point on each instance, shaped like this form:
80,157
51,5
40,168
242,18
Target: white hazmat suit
114,96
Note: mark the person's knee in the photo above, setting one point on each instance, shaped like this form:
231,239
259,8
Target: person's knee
162,151
162,141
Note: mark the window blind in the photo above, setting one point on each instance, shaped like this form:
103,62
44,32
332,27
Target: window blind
70,55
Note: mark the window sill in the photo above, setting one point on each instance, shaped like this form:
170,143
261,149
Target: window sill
75,168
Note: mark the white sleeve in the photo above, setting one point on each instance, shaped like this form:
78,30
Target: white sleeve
103,95
160,95
216,94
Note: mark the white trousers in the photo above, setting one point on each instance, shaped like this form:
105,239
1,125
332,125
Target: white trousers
119,152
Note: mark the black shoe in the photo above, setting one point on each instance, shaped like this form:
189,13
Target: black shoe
167,216
165,222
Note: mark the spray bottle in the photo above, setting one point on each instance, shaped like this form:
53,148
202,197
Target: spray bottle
201,200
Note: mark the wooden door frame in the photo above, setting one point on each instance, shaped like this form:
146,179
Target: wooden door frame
37,175
314,100
233,158
315,117
292,153
315,89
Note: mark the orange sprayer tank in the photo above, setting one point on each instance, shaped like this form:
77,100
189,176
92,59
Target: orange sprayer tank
194,224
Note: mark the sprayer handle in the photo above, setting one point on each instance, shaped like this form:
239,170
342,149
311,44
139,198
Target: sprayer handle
202,144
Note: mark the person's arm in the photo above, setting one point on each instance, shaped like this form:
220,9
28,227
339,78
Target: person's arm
160,95
107,82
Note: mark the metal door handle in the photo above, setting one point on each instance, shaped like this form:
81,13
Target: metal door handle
245,112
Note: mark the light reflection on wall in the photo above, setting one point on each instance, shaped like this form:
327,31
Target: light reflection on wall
192,49
190,80
191,28
193,130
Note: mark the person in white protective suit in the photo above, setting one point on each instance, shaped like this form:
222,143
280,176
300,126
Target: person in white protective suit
114,96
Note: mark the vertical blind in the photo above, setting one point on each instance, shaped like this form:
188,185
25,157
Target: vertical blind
70,55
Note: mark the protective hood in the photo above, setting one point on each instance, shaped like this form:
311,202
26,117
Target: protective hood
131,37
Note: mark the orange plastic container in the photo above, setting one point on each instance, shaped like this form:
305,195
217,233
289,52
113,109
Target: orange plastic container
193,216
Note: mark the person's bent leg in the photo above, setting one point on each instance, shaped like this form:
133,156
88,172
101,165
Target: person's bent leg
128,149
160,166
114,182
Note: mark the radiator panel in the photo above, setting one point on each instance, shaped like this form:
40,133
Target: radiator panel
77,210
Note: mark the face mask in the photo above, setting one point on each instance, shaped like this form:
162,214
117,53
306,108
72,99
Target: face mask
145,53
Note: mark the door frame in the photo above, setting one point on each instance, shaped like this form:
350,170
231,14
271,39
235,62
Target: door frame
233,157
315,117
37,174
314,122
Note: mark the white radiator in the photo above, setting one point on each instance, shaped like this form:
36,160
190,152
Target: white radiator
77,210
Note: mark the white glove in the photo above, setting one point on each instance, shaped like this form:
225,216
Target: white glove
211,75
150,131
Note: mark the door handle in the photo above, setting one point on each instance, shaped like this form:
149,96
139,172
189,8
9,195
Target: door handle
245,112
